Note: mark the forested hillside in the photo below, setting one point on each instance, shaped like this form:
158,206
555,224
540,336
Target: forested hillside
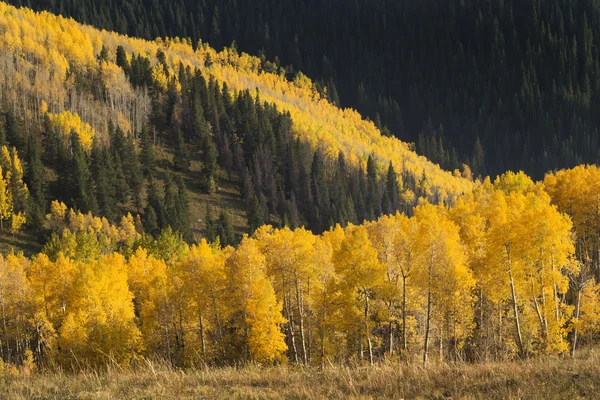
90,110
520,76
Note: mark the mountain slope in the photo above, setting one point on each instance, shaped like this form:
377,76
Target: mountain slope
71,45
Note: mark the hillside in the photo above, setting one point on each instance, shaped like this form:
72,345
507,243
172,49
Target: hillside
62,77
520,76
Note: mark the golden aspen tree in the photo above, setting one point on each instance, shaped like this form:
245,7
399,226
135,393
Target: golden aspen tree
292,264
203,275
147,280
361,275
99,326
587,317
255,313
6,202
17,309
443,275
395,237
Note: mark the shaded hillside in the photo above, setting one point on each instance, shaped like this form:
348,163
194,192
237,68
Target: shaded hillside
523,77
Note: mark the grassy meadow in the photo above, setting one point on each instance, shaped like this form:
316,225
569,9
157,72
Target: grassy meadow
547,378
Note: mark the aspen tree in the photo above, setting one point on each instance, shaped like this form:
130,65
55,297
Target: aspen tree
361,275
256,315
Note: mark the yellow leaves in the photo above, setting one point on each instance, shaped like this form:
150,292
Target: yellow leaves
252,293
67,122
6,205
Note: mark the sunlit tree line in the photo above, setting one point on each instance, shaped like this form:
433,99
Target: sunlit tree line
509,271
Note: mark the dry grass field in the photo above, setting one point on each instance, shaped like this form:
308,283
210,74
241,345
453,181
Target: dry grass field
549,378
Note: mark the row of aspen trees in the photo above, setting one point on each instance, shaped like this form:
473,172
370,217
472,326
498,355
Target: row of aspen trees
509,271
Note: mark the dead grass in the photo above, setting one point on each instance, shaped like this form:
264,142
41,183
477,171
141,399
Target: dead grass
549,378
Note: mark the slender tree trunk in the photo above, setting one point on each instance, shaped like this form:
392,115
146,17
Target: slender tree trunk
202,341
577,310
301,320
217,317
515,307
292,337
391,337
537,308
428,320
367,328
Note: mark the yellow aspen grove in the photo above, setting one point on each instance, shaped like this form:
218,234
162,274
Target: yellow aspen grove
203,275
395,238
444,278
361,275
292,263
147,280
99,326
17,308
255,314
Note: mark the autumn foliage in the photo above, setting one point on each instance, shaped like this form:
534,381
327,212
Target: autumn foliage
491,278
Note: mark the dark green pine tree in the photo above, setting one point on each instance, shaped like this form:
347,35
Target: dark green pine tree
36,180
122,60
172,204
392,192
13,131
79,184
151,221
155,204
320,192
181,158
105,178
373,192
209,223
147,154
225,229
209,166
256,214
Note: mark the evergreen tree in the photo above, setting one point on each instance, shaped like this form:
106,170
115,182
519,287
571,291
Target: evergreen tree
104,177
151,225
256,214
210,228
79,183
181,159
13,131
225,229
36,180
147,154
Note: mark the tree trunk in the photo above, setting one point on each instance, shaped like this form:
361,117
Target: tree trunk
391,337
202,341
301,320
367,329
515,307
292,336
577,310
428,320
